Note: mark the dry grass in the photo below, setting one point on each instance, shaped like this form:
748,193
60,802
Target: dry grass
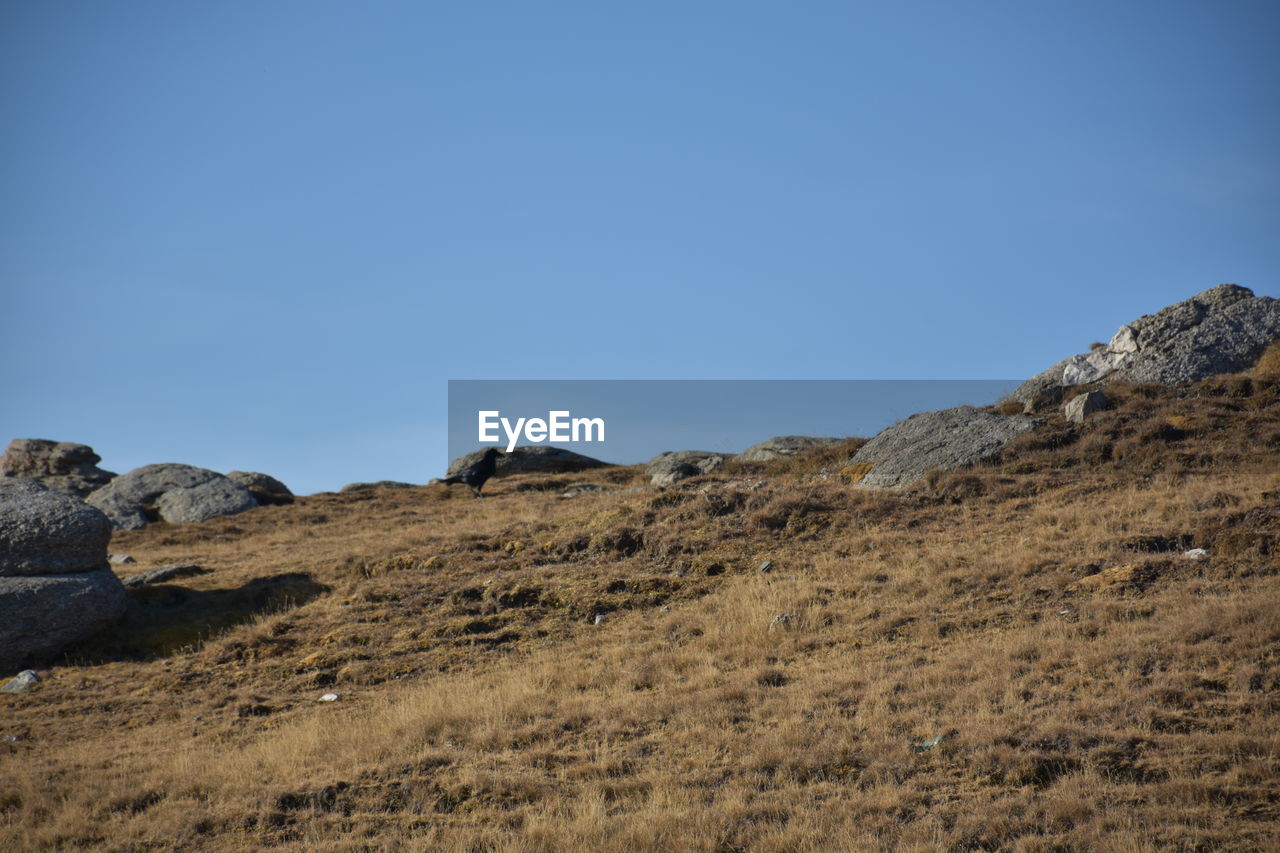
1091,688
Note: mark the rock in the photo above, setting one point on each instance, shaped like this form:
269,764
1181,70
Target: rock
40,615
267,490
381,484
583,489
531,459
120,559
162,574
329,697
59,465
133,499
673,472
782,446
946,439
217,497
766,567
1222,330
1196,554
599,619
20,682
675,465
46,532
1085,404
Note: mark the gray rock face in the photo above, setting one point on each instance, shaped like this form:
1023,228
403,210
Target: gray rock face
1222,330
126,498
162,574
43,531
1084,404
217,497
60,465
21,682
531,459
55,587
42,614
675,465
267,490
950,438
782,446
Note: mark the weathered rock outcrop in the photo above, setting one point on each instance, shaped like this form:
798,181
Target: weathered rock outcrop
172,492
55,586
782,446
950,438
1222,330
59,465
267,490
675,465
531,459
219,496
1082,405
46,532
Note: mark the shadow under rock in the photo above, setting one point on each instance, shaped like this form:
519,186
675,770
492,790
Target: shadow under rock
164,619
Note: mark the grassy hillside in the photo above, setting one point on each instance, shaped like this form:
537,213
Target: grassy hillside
1088,687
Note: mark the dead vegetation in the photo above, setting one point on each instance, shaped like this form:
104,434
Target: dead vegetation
1013,657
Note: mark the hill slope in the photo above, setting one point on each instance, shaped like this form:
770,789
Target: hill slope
1014,657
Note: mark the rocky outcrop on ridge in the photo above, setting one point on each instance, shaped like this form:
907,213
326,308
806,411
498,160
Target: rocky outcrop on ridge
950,438
782,446
531,459
1222,330
171,492
267,490
60,465
55,586
675,465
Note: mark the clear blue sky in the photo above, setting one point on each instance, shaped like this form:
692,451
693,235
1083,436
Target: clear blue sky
264,234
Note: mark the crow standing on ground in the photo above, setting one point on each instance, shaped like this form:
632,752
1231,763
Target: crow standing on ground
475,474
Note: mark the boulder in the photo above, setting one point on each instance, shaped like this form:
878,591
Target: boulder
220,496
40,615
531,459
43,531
55,586
675,465
380,484
21,682
162,574
59,465
1222,330
128,499
782,446
267,490
1084,404
946,439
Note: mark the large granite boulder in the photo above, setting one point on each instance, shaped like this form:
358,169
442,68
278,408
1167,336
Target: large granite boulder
531,459
1222,330
675,465
156,489
61,465
220,496
267,490
43,531
40,615
946,439
55,586
783,446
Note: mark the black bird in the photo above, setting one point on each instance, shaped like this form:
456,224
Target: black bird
475,474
